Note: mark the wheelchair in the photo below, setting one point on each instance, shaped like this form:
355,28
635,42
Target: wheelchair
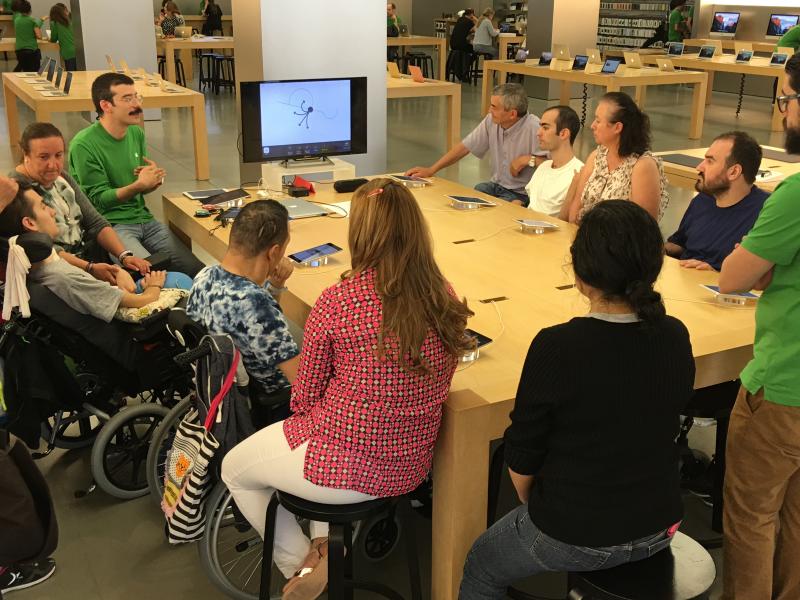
85,374
231,550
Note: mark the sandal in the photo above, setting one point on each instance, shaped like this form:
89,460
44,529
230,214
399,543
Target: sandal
308,583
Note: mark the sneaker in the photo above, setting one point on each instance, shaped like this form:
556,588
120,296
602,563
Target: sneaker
22,576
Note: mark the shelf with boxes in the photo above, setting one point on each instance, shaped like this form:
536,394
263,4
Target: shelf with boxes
630,24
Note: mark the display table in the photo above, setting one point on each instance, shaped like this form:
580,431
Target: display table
439,44
407,88
168,46
80,100
7,44
479,252
638,78
504,41
758,67
685,177
729,45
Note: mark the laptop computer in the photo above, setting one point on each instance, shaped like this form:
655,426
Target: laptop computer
59,93
664,64
302,209
632,60
403,30
183,32
744,56
545,59
595,57
611,65
561,52
707,52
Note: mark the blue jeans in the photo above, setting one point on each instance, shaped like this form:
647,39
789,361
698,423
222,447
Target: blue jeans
144,239
486,49
174,280
514,548
498,191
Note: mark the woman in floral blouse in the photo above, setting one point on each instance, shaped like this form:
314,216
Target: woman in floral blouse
379,352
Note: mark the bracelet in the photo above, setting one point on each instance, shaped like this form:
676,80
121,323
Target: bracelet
89,267
123,255
275,290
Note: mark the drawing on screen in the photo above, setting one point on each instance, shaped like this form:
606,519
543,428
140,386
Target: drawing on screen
303,101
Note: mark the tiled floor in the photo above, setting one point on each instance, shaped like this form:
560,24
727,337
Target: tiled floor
112,550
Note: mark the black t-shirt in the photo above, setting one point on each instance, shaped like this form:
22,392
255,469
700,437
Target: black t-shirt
595,419
458,39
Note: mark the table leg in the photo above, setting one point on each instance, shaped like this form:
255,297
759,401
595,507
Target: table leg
709,86
777,117
698,109
469,424
12,117
486,89
169,56
188,66
453,119
641,96
565,93
442,60
200,138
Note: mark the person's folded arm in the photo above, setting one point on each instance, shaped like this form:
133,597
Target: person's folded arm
90,173
532,418
316,362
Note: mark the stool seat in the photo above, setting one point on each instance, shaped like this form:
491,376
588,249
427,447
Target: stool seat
684,571
332,513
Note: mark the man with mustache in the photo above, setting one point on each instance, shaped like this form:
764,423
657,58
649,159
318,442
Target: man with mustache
109,161
726,207
762,479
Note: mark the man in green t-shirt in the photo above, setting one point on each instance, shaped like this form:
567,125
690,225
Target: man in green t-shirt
677,28
109,161
762,479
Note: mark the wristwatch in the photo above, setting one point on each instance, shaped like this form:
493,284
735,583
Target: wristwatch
123,255
532,161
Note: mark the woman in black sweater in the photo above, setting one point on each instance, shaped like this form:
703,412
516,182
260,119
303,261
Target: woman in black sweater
590,448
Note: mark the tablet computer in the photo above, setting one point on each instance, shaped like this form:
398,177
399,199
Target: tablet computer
471,200
611,65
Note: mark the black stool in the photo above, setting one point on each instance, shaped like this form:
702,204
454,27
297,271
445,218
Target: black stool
208,75
684,571
340,542
180,75
476,72
225,72
421,60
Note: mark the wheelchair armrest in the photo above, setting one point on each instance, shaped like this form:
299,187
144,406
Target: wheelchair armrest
150,327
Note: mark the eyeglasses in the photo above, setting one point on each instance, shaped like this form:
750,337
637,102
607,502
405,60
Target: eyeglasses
131,98
783,101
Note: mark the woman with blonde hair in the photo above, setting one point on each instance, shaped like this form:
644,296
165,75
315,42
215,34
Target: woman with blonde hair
485,34
380,348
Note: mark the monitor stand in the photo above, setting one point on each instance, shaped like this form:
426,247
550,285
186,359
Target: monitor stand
272,173
316,161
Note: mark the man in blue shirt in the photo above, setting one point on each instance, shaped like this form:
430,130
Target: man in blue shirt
726,207
238,296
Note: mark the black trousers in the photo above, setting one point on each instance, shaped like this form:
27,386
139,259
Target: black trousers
28,61
71,64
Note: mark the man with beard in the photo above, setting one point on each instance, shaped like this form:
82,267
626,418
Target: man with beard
109,161
726,207
762,481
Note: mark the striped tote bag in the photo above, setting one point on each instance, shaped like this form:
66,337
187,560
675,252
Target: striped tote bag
187,479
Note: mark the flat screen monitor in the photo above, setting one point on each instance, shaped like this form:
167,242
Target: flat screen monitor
780,24
675,49
304,118
725,23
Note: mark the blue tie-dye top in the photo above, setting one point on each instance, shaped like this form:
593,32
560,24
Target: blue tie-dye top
230,304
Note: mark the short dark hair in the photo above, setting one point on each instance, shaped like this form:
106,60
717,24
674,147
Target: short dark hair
793,72
745,151
469,11
619,251
101,88
259,226
12,215
635,136
38,131
567,119
21,6
676,3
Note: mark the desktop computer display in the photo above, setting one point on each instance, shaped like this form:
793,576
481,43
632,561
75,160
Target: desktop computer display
303,118
780,24
725,23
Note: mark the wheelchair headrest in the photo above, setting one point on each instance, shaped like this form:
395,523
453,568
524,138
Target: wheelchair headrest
37,246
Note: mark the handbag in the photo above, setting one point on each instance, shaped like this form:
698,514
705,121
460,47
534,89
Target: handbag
187,479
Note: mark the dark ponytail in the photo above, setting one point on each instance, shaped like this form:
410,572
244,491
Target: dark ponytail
635,135
619,251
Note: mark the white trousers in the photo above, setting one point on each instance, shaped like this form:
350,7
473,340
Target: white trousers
263,463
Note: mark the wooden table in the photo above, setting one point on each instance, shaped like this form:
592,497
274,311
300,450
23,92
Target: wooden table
80,100
407,88
197,21
7,24
758,66
7,44
504,41
638,78
482,394
186,45
440,44
685,177
728,44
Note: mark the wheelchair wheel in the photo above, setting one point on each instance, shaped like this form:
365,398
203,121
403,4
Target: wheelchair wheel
231,550
160,444
120,451
73,429
378,537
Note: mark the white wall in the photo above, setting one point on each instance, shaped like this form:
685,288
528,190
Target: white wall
347,39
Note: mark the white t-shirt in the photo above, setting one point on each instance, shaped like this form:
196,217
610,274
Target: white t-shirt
548,187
